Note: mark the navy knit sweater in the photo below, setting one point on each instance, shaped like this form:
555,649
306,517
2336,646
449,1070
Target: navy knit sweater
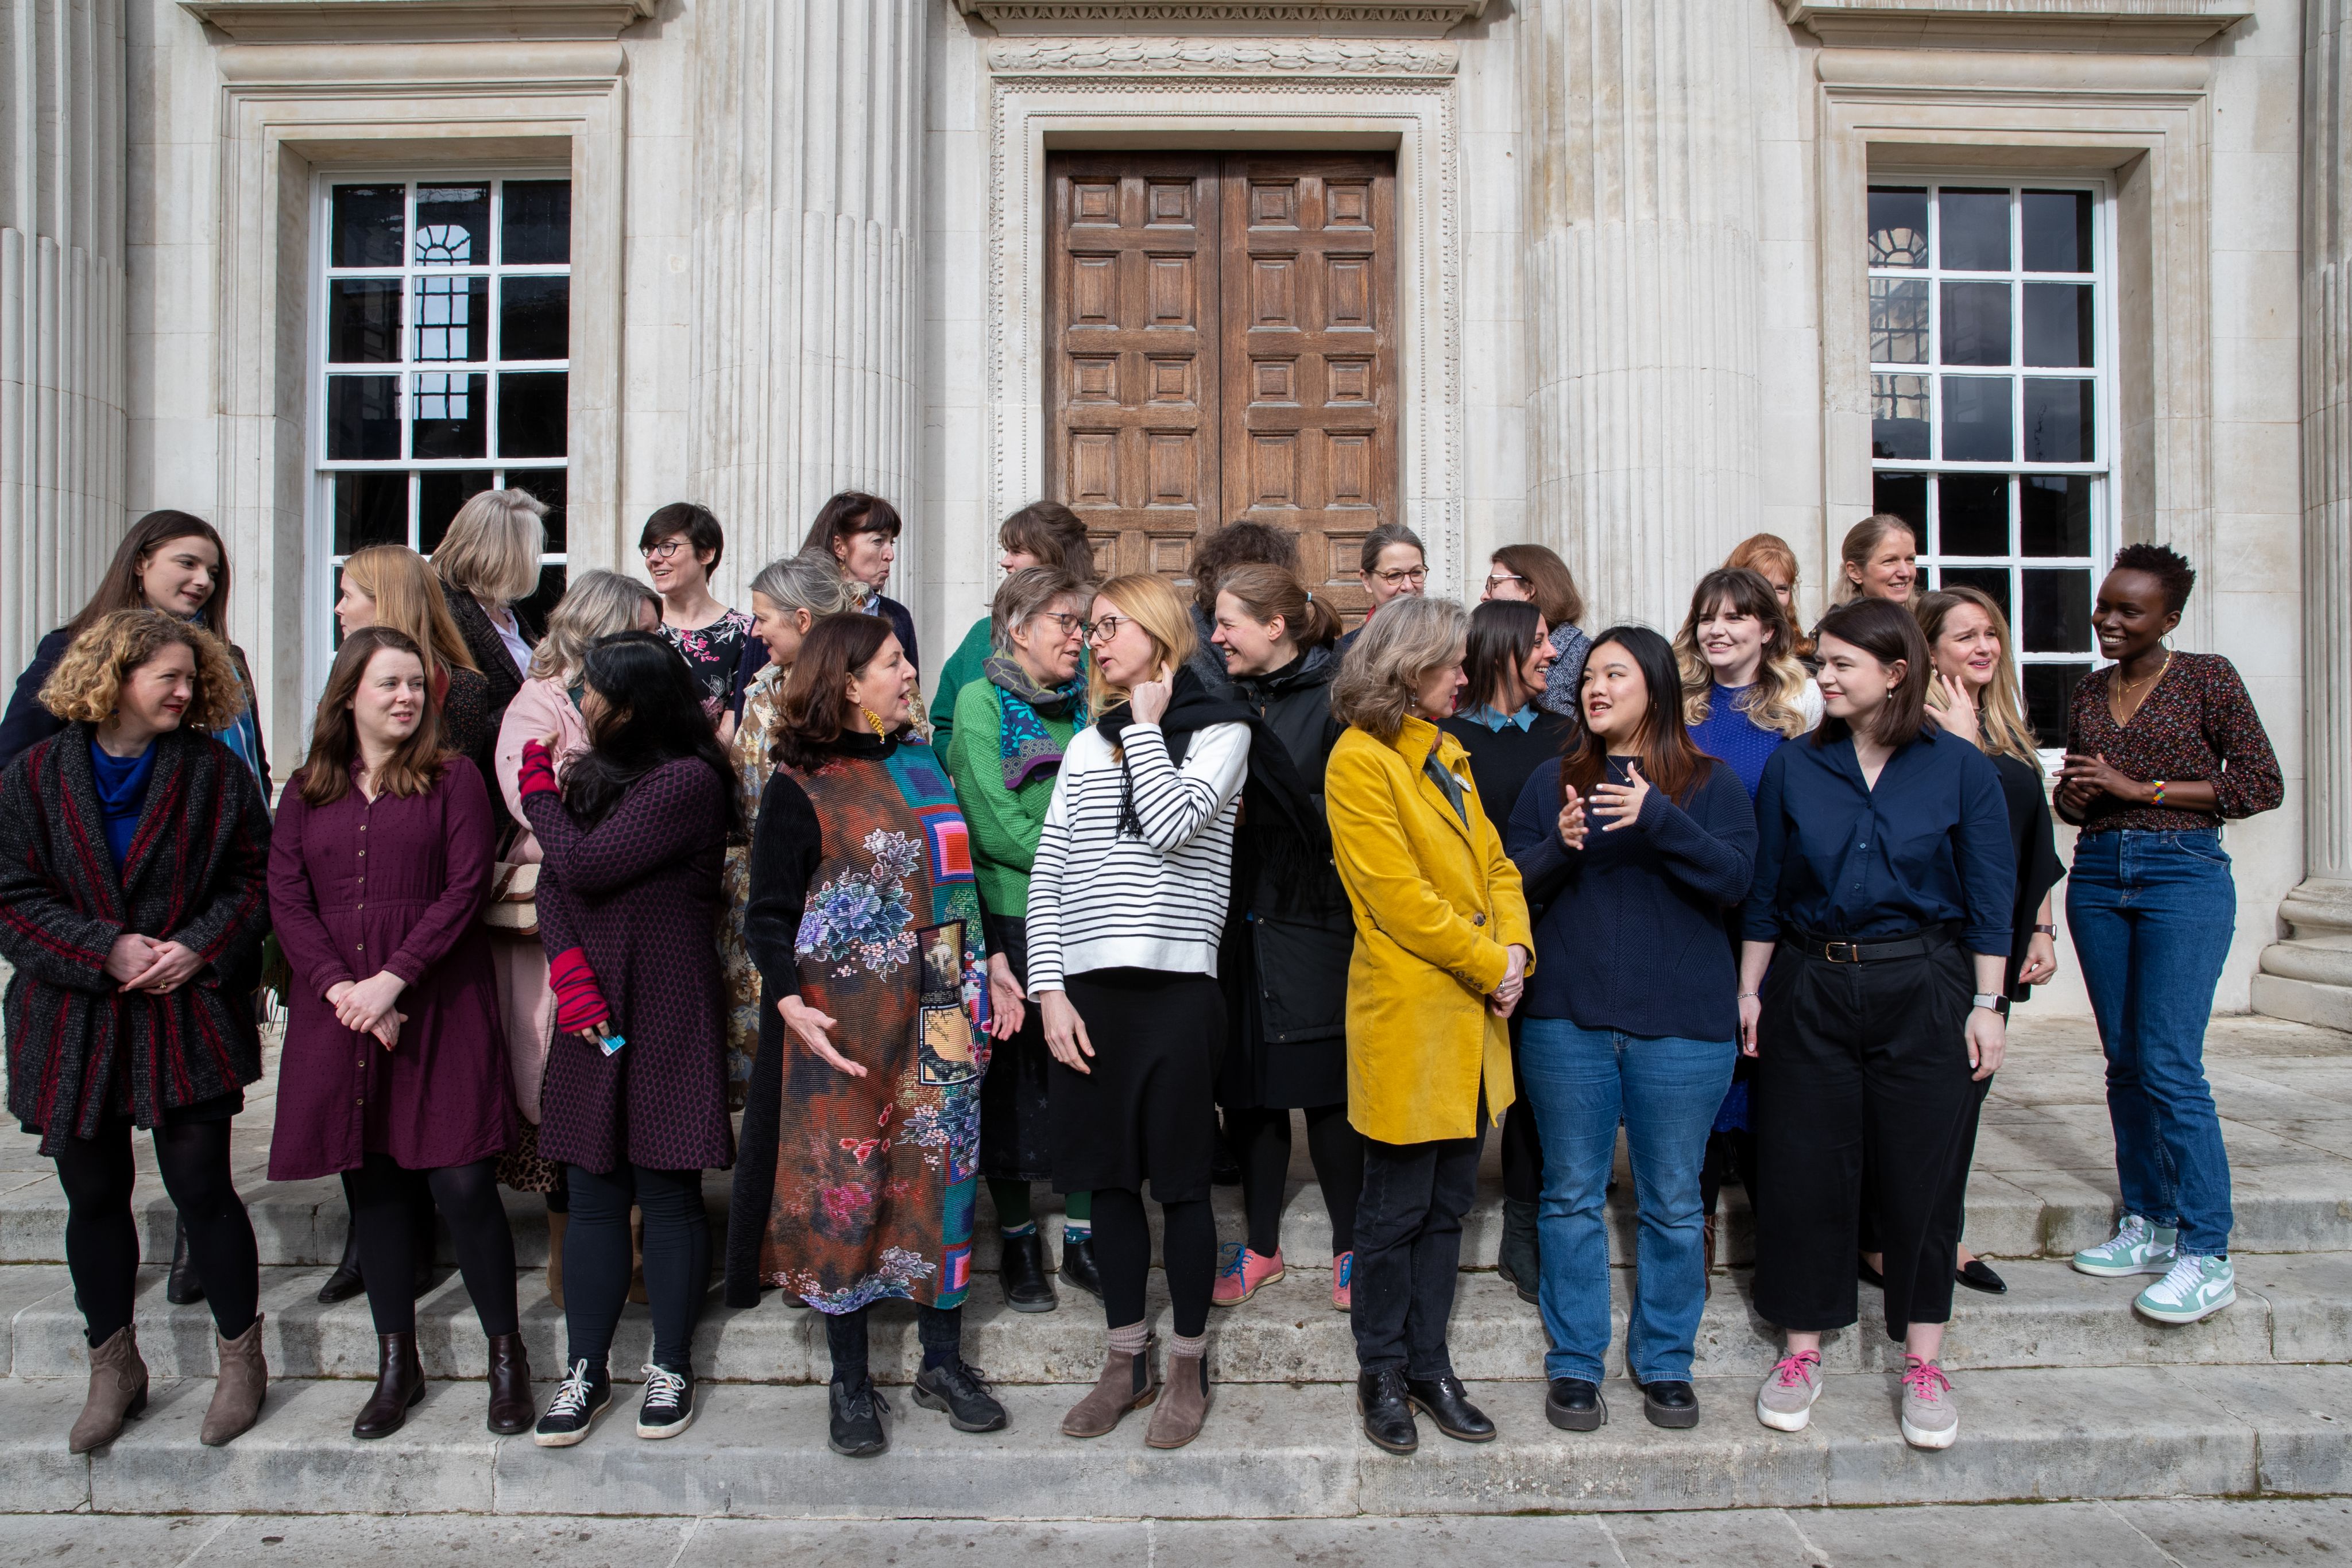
1631,937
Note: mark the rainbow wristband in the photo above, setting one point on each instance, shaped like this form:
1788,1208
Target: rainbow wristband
2159,793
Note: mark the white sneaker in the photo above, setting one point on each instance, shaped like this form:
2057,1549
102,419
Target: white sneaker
1930,1419
2194,1290
2136,1247
1785,1403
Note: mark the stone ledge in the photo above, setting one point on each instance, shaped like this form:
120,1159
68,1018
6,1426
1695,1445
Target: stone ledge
1406,18
2155,26
416,21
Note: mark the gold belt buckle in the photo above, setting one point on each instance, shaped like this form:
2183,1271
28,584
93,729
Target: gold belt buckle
1830,951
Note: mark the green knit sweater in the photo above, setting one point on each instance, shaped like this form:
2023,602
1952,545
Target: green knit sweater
1004,824
964,666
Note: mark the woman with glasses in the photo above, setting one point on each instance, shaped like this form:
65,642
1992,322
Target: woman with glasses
1532,573
859,534
1014,725
1390,565
682,544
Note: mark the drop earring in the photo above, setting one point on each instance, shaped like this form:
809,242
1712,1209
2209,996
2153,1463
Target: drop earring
875,720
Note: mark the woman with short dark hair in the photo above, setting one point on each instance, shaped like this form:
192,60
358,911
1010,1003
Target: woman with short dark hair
1042,534
683,544
859,533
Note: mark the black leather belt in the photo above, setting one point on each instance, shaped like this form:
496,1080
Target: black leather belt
1911,947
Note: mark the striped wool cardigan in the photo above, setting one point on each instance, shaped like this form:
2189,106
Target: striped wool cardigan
197,873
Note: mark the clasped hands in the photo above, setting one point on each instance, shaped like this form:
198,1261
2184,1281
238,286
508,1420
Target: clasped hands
365,1007
142,963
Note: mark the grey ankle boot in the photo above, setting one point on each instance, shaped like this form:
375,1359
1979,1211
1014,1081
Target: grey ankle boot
118,1391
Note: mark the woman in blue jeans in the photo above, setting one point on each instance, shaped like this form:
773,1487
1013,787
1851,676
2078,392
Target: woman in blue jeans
1636,846
2160,748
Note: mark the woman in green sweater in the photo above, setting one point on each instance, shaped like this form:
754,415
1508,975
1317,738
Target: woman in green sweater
1012,722
1043,533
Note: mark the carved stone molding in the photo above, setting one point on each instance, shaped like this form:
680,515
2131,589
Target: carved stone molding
415,21
2158,26
1285,58
1412,18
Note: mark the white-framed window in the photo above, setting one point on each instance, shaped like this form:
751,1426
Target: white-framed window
441,365
1992,402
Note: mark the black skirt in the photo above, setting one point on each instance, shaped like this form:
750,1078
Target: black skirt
1294,1057
1147,1109
1015,1127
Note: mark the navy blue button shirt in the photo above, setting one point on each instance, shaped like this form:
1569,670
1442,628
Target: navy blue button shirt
1842,860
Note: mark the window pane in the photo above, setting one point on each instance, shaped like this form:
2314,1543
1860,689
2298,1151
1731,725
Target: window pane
1905,496
363,417
1898,227
1898,416
1976,324
1972,514
1977,420
531,414
2057,610
2049,693
1971,227
450,421
440,492
363,320
535,318
367,225
2057,513
536,230
453,224
2057,230
370,509
1898,321
2058,421
2058,324
1993,579
453,318
547,485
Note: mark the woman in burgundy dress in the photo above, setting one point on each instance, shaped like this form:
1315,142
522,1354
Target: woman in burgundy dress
395,1059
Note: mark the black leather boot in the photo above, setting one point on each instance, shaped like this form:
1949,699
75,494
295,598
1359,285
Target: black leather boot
512,1409
182,1288
1078,1266
1021,1268
345,1282
1574,1404
1382,1400
1672,1404
399,1383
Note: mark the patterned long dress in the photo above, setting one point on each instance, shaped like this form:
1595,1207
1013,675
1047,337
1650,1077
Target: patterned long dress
750,754
857,1189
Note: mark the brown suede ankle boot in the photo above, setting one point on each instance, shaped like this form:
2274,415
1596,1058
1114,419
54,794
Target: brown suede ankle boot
1184,1402
1125,1385
243,1383
118,1391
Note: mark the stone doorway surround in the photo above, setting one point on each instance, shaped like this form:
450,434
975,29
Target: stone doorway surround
1210,93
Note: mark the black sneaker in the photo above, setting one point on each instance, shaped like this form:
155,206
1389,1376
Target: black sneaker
1079,1265
579,1399
962,1392
857,1430
668,1408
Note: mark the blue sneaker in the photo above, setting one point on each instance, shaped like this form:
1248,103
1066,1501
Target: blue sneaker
2195,1289
2138,1247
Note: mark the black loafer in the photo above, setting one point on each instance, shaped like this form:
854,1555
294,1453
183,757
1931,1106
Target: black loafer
1866,1274
1671,1403
1445,1400
855,1432
1021,1270
1574,1404
345,1282
1078,1267
960,1392
1976,1276
1382,1400
182,1288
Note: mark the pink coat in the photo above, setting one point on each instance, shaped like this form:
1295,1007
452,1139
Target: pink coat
543,707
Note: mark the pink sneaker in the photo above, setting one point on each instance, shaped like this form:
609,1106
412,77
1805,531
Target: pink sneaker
1241,1272
1343,1281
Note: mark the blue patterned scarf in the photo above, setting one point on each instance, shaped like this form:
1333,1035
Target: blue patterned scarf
1024,745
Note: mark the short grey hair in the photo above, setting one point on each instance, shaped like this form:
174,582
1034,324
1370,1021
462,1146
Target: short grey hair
811,580
1395,653
596,604
492,548
1026,594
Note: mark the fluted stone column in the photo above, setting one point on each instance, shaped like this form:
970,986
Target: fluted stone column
2309,976
61,327
1641,263
809,132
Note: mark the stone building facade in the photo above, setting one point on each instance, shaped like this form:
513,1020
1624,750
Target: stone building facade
1631,278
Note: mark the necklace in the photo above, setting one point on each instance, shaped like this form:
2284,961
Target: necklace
2123,696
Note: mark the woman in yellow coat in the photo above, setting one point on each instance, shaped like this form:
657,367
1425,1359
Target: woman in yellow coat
1442,947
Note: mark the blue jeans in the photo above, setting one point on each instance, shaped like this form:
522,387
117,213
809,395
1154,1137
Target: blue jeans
2152,916
1581,1081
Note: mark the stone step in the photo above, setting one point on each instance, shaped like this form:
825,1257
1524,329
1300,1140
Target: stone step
1269,1451
2290,1309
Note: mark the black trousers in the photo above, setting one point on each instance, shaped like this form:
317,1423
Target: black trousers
596,1259
1261,1140
1408,1247
1860,1066
102,1234
1522,1144
382,1192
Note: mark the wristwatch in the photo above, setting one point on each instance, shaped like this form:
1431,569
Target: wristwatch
1998,1004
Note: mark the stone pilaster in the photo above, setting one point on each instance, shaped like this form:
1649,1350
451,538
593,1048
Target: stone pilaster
808,348
2309,975
1642,277
61,327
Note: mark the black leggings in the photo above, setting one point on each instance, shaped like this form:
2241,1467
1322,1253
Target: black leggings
102,1234
596,1259
382,1193
940,1329
1188,1248
1261,1140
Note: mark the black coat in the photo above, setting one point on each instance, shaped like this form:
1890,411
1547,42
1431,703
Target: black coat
500,682
197,873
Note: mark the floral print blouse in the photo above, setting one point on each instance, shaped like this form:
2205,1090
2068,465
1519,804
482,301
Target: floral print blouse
712,652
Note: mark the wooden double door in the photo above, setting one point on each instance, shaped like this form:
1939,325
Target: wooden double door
1221,346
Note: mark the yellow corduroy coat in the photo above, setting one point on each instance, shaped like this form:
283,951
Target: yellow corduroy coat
1437,904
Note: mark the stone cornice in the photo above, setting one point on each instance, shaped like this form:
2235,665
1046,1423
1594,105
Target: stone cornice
2163,26
1422,18
1133,56
416,21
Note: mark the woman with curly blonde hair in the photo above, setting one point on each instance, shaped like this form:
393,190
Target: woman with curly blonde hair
133,850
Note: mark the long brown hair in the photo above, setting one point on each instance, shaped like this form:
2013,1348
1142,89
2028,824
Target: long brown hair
325,775
1777,701
815,711
408,599
1550,582
119,588
1662,748
1265,592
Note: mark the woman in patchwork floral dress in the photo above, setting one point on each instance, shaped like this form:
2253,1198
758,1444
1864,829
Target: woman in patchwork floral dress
861,1133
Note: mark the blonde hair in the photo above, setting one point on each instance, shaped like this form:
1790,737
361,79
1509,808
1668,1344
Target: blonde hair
492,548
809,581
86,685
1395,650
409,600
1777,701
1151,603
2000,712
596,604
1862,542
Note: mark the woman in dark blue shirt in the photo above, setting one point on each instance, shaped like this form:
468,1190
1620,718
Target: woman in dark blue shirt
1881,905
1630,1014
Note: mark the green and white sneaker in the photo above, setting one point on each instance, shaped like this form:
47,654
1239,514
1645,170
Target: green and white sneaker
2136,1248
2196,1289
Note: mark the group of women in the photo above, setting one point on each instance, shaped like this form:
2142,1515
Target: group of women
1759,898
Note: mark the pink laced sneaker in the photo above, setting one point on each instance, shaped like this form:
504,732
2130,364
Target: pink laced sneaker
1241,1272
1785,1403
1930,1419
1343,1281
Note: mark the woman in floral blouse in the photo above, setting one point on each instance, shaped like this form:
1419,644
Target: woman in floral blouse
682,544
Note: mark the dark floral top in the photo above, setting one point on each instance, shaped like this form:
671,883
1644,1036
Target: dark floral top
2197,724
712,652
